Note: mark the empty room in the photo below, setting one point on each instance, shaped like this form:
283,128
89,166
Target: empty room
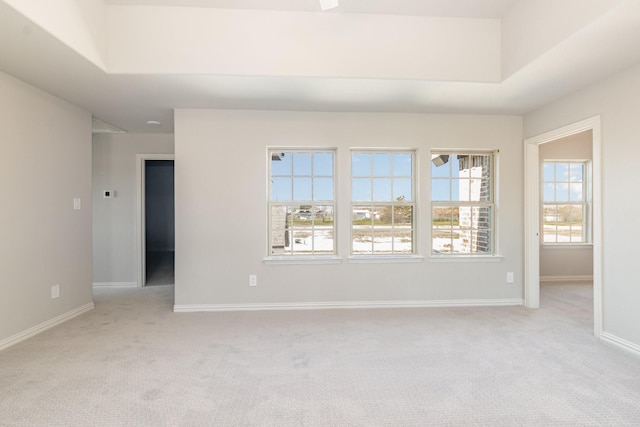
319,212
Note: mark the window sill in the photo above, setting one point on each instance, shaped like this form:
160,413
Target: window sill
466,258
301,259
555,246
384,259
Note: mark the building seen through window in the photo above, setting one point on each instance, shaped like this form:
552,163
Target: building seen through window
462,203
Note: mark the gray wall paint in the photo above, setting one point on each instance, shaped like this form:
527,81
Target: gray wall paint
221,234
114,220
160,218
46,148
563,261
617,101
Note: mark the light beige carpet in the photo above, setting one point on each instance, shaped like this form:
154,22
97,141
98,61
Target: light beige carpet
133,362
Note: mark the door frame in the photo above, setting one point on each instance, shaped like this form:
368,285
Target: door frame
532,214
141,235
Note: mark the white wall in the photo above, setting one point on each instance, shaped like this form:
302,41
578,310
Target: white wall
617,100
114,220
46,151
558,262
221,195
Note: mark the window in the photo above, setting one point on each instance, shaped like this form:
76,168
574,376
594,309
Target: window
462,203
565,207
382,202
301,202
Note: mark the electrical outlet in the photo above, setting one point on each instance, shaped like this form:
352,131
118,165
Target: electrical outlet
76,204
253,280
510,277
55,291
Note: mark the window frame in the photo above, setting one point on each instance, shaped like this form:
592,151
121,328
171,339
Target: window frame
393,204
492,203
585,203
290,256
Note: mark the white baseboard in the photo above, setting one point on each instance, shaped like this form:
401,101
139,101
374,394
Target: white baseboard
190,308
572,278
15,339
115,284
620,343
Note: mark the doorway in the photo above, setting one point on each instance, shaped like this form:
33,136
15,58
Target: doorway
155,219
159,222
533,210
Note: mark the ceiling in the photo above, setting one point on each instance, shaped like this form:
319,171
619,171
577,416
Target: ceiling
446,8
128,101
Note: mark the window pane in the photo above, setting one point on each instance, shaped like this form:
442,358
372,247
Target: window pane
472,190
565,223
455,165
302,164
440,190
440,165
443,217
384,216
323,239
361,189
576,172
301,241
562,192
360,164
577,226
280,215
280,189
462,169
298,228
402,215
562,171
402,189
382,239
302,189
362,215
403,242
549,171
382,189
575,192
462,230
549,192
442,242
323,164
402,164
382,164
322,189
361,233
403,229
280,164
379,227
465,217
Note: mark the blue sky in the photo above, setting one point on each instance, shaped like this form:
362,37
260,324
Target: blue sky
375,177
563,181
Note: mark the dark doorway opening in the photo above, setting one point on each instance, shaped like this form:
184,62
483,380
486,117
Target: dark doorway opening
159,222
